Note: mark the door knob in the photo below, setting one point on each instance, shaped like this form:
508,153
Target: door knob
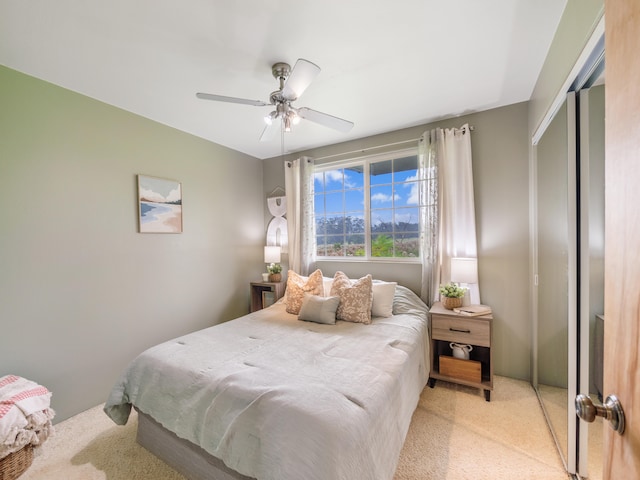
610,410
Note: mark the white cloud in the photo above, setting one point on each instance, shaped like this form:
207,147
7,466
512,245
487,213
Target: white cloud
414,194
383,197
154,196
335,176
173,195
151,195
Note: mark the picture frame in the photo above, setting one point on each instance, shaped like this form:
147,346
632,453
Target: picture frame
159,205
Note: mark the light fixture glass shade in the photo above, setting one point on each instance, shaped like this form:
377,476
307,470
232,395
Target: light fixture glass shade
271,254
268,119
464,270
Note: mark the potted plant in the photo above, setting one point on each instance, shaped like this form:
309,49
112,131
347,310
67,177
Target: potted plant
451,295
275,270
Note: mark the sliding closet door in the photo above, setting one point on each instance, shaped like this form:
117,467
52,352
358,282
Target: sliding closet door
591,106
568,256
556,288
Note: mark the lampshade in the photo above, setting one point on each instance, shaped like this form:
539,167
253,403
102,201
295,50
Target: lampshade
272,254
464,270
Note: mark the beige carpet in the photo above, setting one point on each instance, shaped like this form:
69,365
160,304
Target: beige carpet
454,435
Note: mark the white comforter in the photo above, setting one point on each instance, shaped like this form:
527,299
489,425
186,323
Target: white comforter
281,399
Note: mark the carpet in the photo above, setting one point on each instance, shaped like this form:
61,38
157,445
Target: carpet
454,435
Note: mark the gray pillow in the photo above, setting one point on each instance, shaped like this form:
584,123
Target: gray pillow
319,309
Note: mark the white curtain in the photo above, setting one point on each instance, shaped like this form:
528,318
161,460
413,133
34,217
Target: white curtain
446,155
429,214
298,178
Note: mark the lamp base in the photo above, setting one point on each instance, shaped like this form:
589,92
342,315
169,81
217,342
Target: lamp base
466,300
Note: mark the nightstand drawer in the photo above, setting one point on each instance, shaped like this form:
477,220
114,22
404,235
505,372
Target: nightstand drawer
461,330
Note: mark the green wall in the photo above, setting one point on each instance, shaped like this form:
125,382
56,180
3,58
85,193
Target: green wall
500,171
579,20
81,292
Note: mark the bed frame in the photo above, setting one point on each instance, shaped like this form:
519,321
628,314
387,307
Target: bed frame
187,458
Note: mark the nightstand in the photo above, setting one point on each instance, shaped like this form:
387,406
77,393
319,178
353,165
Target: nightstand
264,294
448,326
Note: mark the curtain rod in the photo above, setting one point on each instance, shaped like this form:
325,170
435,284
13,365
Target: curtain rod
363,150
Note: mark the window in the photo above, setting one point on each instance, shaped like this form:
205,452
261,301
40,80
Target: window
368,208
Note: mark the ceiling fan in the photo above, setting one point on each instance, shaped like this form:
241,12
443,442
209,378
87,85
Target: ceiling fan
292,85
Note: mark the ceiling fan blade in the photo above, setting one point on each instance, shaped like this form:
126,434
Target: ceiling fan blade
303,73
325,119
270,131
221,98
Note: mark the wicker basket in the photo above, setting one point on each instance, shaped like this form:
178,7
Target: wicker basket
450,302
275,277
16,463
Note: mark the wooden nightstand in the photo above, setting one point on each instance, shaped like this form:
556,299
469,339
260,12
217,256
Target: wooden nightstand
448,326
264,294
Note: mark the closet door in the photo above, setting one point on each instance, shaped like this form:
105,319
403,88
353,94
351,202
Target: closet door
556,278
591,292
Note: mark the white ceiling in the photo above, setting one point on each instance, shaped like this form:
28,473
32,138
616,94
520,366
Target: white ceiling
385,65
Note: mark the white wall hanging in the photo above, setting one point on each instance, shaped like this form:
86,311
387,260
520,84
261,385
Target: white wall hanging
277,228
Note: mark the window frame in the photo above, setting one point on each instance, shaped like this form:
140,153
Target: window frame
365,162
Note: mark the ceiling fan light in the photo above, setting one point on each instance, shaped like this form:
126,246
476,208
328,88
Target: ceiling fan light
268,119
287,124
295,119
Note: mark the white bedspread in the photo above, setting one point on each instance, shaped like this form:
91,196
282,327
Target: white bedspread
280,399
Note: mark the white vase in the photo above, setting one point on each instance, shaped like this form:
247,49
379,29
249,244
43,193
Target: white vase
461,350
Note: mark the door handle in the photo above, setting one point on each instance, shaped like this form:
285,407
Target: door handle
611,410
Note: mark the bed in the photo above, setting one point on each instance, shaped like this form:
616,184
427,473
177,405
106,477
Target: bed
271,397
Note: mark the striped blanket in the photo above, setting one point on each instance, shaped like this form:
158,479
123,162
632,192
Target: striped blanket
25,415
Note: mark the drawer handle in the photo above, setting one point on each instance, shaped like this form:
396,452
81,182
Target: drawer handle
460,330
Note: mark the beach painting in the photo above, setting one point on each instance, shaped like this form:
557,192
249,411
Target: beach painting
160,205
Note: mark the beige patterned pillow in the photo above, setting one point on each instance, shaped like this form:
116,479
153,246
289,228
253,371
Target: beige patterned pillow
297,286
356,298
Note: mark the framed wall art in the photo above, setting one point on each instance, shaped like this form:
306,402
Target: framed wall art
159,205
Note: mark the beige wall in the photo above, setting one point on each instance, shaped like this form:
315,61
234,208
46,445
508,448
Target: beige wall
500,170
81,292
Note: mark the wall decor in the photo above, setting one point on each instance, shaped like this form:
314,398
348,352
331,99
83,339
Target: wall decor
159,205
277,228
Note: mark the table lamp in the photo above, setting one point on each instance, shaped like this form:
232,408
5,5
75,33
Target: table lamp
272,254
464,271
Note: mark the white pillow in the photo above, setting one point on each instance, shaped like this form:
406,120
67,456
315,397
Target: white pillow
383,294
326,283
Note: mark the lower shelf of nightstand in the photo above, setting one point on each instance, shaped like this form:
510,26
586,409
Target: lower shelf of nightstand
485,384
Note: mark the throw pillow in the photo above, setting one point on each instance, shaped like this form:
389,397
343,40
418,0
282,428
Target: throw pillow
383,295
355,298
326,284
297,286
319,309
